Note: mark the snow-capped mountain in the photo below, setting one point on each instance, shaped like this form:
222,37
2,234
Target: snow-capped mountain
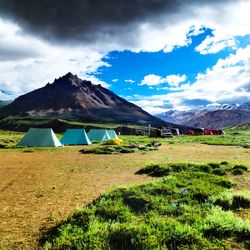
213,116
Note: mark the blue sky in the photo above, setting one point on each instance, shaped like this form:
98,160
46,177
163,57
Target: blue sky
127,69
170,55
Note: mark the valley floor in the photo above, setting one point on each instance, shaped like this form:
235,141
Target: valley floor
40,188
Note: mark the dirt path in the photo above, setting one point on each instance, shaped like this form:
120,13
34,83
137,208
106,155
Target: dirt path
39,189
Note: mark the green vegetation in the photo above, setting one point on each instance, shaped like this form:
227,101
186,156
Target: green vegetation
165,169
9,138
185,209
104,149
235,200
12,120
108,150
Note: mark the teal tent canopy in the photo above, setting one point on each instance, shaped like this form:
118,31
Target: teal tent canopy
75,137
98,135
40,137
112,134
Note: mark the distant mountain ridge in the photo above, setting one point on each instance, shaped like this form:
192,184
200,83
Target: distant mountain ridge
71,98
215,116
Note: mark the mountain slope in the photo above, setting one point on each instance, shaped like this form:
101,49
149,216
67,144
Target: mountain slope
219,116
71,98
5,103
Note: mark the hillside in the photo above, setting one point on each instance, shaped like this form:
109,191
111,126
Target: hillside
71,98
5,103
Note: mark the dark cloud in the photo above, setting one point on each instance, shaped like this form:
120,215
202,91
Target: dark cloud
244,87
75,20
235,99
195,102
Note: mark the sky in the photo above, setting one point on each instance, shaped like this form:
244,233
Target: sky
158,54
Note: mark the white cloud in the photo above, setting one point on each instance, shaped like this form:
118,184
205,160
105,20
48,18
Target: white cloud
175,80
30,63
151,106
171,80
129,81
227,82
227,20
212,45
115,80
151,80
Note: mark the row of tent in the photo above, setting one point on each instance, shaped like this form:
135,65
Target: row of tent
45,137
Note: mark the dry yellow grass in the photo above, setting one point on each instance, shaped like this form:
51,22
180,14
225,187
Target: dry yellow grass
41,188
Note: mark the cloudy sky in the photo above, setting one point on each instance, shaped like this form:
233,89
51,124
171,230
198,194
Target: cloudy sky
159,54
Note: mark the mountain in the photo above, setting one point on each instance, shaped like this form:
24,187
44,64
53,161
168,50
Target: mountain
215,116
71,98
5,103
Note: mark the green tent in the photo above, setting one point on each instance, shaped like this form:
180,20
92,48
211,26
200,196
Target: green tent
112,134
75,137
40,137
98,135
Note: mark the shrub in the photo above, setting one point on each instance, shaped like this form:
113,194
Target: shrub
241,199
237,172
214,165
223,200
219,171
224,163
220,224
241,167
232,200
108,150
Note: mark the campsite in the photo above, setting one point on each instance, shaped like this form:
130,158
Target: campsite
41,186
124,125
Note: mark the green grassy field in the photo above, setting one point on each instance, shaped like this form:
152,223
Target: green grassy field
233,137
41,187
191,208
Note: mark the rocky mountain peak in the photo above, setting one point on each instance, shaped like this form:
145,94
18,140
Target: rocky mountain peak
71,80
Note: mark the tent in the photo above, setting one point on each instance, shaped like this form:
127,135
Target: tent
75,137
189,132
40,137
208,132
98,135
112,134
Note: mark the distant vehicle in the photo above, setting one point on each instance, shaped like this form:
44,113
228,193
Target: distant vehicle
166,134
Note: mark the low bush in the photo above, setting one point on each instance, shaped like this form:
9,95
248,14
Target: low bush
164,169
241,167
241,199
118,149
232,200
108,150
221,224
